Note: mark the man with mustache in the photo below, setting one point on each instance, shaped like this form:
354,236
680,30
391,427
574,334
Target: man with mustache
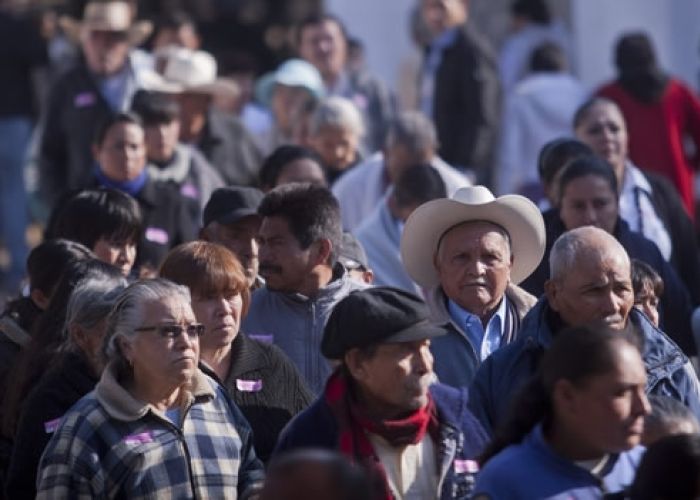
380,407
299,241
468,253
590,282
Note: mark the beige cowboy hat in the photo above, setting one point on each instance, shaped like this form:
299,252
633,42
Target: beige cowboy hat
516,214
107,16
185,70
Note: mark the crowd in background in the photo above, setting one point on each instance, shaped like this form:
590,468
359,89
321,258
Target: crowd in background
237,264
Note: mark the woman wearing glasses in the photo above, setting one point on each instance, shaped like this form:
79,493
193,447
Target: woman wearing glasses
155,426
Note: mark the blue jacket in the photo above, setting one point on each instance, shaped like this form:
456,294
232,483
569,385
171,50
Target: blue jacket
675,306
461,437
505,371
531,469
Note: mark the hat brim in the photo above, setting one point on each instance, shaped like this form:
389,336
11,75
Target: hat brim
154,82
137,33
426,225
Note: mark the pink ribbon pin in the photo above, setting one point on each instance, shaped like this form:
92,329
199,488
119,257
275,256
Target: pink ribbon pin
249,385
50,426
140,438
466,466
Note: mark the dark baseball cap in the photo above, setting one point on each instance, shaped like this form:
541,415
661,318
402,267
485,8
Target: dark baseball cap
229,204
377,315
352,255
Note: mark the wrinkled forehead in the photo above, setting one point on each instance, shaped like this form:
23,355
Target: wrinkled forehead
173,309
474,229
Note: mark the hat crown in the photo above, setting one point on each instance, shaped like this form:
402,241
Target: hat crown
474,195
189,68
108,16
299,73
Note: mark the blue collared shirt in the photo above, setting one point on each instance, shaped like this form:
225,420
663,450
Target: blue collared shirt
483,341
430,67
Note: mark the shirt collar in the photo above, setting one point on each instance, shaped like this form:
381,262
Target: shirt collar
463,317
444,39
634,179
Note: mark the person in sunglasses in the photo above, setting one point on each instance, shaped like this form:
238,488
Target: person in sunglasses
155,426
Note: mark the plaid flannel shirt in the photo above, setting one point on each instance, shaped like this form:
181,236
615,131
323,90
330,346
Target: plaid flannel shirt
111,445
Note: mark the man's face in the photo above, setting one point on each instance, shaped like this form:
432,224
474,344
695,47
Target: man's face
337,147
324,46
122,154
441,15
193,114
473,262
597,288
283,263
241,238
397,158
161,140
395,380
589,201
105,51
607,411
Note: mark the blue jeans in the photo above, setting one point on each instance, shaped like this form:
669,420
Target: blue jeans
15,134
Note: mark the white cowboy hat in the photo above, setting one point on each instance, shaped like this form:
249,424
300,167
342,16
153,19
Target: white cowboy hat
516,214
185,70
107,16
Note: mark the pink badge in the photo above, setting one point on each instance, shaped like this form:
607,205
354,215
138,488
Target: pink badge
360,101
265,339
189,190
157,235
248,385
466,466
141,438
84,99
51,425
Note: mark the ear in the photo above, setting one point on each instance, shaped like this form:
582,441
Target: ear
368,276
323,250
39,298
78,336
125,347
551,291
564,397
354,364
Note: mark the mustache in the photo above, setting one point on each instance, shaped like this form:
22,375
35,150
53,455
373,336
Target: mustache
270,269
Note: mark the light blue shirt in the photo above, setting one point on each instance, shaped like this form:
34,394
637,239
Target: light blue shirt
430,67
483,342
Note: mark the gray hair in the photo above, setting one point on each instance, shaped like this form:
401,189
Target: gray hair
128,311
567,249
413,131
337,112
90,303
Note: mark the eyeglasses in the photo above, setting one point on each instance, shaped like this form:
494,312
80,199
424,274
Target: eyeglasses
194,330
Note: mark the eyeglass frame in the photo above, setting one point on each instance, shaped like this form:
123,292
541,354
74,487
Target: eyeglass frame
179,329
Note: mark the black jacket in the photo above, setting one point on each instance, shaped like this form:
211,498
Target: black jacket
58,390
466,103
267,388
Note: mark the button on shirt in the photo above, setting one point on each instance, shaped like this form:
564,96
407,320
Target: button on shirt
483,342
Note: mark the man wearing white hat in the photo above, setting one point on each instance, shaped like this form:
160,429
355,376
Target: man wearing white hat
468,253
102,82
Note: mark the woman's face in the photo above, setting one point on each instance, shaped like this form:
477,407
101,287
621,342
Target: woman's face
122,154
589,201
603,129
162,360
120,254
221,316
605,413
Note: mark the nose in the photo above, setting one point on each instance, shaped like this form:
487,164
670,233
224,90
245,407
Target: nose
641,403
590,215
424,360
223,306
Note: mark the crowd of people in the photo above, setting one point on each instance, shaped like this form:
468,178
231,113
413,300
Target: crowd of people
484,284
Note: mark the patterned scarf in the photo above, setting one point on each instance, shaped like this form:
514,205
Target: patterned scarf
354,424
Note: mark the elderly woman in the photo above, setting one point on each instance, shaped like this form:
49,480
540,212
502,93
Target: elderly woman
259,377
155,426
576,428
71,374
648,202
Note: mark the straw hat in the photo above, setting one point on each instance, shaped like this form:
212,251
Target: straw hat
516,214
107,16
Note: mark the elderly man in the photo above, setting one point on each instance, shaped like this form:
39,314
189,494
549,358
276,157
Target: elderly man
102,82
299,240
323,41
379,408
231,219
411,140
590,282
469,252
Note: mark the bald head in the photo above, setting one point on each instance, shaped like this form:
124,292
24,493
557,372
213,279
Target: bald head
590,278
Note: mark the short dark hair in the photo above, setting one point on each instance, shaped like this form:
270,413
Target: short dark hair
312,212
274,164
535,10
643,275
548,57
584,166
113,119
556,154
582,112
419,184
155,108
86,216
320,18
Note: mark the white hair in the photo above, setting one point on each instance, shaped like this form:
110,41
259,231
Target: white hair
337,112
569,247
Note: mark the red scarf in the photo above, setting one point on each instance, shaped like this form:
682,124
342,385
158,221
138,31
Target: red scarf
353,426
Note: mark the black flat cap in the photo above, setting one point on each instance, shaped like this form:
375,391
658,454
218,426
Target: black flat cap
377,315
229,204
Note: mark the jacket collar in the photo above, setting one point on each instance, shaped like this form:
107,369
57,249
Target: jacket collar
121,405
339,281
245,356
